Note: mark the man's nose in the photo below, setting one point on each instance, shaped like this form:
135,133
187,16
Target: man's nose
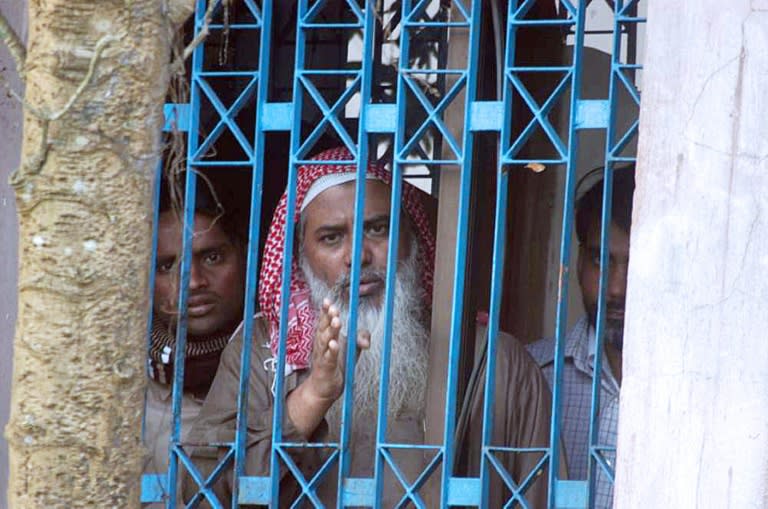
366,256
617,281
197,277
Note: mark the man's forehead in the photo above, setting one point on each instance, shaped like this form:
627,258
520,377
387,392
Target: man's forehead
338,202
170,226
618,241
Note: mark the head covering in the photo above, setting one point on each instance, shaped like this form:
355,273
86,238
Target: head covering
302,316
327,182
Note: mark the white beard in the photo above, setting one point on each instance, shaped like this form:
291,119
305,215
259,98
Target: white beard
409,355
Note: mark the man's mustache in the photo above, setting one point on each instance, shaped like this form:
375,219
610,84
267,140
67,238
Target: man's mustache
366,275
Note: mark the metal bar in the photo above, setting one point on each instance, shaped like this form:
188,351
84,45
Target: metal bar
435,24
426,71
529,68
389,295
328,72
276,116
539,115
306,490
565,252
432,113
428,162
285,287
149,480
252,262
214,164
366,86
546,22
332,26
595,460
234,26
228,74
329,116
226,116
462,235
156,184
186,253
204,484
497,264
497,276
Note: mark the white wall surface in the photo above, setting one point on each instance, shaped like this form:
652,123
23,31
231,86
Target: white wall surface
693,431
10,145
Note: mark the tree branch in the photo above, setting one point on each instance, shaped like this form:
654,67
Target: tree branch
13,43
204,31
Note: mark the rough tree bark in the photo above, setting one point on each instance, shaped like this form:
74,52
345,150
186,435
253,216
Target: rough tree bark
83,197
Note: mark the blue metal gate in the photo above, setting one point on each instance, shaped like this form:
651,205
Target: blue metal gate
391,119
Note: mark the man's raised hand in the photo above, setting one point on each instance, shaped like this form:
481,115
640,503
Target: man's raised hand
328,354
309,402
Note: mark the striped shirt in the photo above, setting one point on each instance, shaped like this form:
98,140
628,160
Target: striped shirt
576,402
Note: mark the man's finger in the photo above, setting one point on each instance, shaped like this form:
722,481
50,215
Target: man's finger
363,340
332,354
335,327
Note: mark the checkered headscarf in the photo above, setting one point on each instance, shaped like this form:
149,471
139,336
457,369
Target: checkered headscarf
301,314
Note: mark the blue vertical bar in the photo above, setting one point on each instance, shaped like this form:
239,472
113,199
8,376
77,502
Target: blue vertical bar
605,219
285,283
497,276
497,266
565,251
605,222
152,265
461,254
362,168
392,256
389,299
605,227
186,254
254,224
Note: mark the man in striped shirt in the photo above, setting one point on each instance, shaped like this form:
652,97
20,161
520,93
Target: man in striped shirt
580,347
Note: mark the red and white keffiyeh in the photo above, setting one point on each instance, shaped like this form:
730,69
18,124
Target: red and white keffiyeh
302,316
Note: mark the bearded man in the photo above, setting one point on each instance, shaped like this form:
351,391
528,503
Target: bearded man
579,367
317,331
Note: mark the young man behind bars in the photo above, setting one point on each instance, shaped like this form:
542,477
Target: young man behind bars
318,313
580,341
214,310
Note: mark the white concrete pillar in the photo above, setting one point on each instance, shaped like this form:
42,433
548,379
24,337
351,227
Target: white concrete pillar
693,427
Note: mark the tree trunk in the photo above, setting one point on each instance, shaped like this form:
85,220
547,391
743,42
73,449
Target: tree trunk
84,203
693,429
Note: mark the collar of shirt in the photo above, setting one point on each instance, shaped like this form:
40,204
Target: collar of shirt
580,346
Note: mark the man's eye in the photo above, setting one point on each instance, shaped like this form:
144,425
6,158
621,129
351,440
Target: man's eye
378,229
164,267
213,258
330,238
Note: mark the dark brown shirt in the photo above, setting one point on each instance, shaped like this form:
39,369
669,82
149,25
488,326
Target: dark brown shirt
521,419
